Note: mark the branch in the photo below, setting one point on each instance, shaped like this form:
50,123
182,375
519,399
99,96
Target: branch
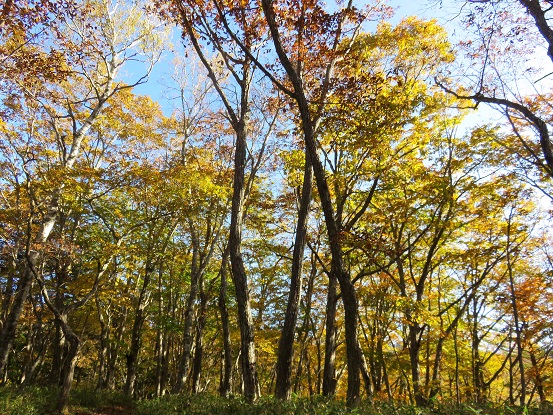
536,121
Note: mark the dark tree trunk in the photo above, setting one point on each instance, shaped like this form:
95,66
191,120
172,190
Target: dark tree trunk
286,343
329,371
245,320
306,329
57,355
103,345
516,317
239,123
136,334
338,271
414,358
69,363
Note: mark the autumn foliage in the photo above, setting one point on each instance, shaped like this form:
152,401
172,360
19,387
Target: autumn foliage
302,206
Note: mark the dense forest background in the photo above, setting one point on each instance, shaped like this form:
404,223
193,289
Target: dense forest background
304,205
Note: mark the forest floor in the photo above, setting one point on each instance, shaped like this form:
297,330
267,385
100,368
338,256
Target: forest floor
41,401
109,410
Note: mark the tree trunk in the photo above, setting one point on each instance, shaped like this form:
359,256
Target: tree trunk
349,297
329,371
161,339
136,334
199,348
538,378
69,363
225,386
103,345
414,358
518,329
113,351
286,343
245,320
306,329
188,335
7,333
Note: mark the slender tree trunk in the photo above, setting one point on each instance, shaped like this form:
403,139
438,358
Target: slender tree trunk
306,328
8,292
382,361
245,319
226,378
103,345
286,343
239,124
365,373
136,334
329,371
457,359
518,329
160,338
511,369
188,335
113,350
199,348
435,383
477,365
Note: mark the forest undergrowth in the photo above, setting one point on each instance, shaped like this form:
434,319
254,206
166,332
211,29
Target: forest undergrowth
87,401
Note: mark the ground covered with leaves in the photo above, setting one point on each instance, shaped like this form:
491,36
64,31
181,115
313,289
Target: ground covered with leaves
41,401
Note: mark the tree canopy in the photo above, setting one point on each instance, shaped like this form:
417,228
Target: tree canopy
306,208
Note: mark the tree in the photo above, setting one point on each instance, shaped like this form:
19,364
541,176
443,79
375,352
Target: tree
70,107
505,32
198,22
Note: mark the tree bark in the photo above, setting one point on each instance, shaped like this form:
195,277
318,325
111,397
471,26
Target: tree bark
199,347
286,343
136,334
226,378
414,357
245,320
238,120
70,361
538,379
188,335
